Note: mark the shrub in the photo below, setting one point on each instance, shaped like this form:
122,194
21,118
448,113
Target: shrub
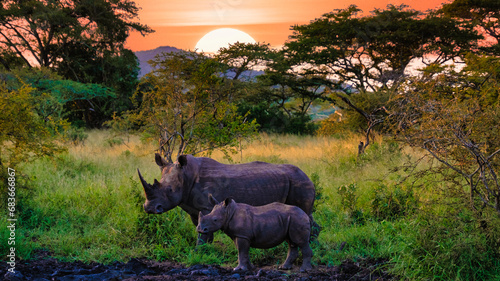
390,203
449,246
348,201
320,196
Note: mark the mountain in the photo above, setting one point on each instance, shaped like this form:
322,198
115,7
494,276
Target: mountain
145,68
145,56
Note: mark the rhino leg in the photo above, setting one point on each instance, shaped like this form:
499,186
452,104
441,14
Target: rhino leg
243,246
306,257
293,253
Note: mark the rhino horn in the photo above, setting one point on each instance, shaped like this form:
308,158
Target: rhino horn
146,185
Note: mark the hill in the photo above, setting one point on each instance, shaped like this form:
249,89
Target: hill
145,67
145,56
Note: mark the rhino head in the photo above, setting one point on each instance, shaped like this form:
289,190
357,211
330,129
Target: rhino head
165,194
217,218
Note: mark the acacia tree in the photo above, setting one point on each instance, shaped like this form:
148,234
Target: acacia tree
372,52
47,33
278,98
243,57
82,40
369,55
454,116
186,104
484,15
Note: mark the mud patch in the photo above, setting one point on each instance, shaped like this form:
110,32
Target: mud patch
47,268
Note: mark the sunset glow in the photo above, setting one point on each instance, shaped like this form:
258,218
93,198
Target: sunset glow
182,24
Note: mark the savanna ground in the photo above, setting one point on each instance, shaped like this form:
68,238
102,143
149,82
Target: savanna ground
80,216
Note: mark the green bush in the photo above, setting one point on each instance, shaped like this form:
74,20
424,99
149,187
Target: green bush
390,203
450,246
76,135
348,202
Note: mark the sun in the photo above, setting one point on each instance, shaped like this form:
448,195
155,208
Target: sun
222,37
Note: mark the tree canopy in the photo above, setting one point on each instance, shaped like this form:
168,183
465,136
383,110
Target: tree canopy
484,15
186,104
454,116
374,51
49,33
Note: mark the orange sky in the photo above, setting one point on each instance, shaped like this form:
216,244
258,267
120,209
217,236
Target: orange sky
181,23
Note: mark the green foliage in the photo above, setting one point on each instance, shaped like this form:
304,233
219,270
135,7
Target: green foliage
448,247
83,41
76,135
320,192
454,116
349,200
272,119
370,104
367,57
115,72
278,100
60,98
392,203
65,33
24,133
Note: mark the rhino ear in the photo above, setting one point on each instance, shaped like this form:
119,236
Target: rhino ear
212,200
182,159
160,161
228,201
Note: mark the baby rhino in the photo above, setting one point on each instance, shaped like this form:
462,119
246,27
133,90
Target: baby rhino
260,227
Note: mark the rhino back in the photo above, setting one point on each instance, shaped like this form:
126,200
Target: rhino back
255,183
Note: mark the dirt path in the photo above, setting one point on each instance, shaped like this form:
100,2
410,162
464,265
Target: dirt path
48,268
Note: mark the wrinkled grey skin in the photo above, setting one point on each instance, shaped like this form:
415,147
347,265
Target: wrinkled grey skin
261,227
188,182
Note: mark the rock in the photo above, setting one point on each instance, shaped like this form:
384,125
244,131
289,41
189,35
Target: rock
13,276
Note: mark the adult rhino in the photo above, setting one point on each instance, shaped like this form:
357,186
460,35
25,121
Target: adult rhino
188,183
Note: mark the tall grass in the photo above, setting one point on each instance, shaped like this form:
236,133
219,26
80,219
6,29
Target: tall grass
87,205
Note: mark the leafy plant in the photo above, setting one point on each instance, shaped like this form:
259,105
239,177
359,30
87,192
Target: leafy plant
391,203
348,201
25,134
454,117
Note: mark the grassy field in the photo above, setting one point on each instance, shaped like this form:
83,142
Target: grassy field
86,205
